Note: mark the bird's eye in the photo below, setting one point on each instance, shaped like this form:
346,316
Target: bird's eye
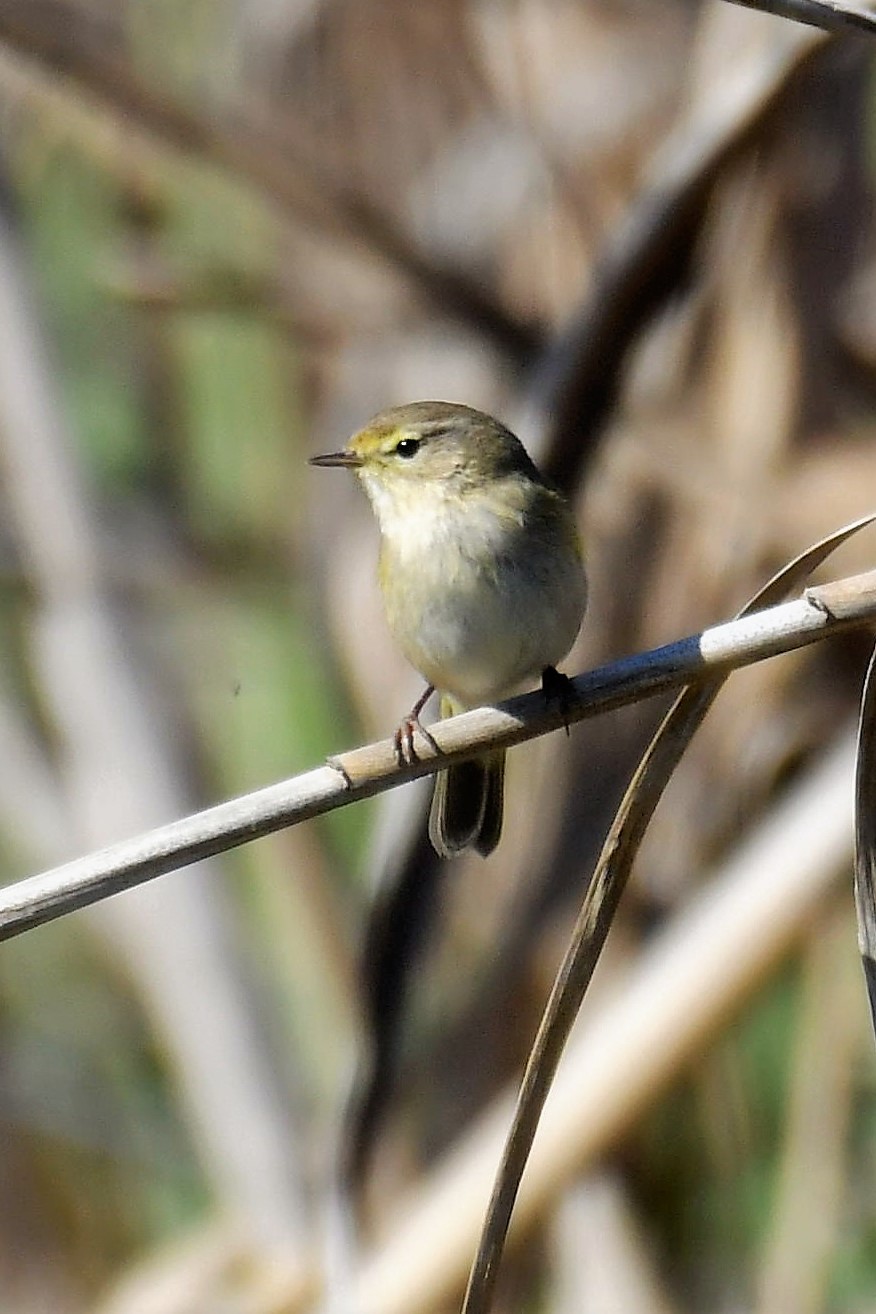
408,447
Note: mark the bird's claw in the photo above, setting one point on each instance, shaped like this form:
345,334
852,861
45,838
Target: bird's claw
405,752
403,740
557,688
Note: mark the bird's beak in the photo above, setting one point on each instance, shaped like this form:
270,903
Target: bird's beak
348,458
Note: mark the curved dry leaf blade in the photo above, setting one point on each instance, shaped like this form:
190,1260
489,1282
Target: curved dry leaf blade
829,15
797,571
865,835
595,917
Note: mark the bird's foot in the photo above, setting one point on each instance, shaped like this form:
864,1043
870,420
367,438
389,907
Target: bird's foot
403,740
557,689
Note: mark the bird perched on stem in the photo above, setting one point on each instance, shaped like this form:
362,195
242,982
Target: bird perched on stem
481,576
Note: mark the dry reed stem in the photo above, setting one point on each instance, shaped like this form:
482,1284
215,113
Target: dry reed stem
602,1256
372,769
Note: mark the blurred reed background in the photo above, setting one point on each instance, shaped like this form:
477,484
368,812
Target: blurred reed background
643,235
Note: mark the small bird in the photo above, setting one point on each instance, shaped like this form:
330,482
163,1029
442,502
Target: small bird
482,580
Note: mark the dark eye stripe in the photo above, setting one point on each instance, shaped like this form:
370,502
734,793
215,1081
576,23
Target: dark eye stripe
408,447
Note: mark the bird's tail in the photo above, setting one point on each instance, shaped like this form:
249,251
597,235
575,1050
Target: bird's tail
468,802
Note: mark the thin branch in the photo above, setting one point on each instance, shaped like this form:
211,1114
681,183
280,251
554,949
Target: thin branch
829,15
373,769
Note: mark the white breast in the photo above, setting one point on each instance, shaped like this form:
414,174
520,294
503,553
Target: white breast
477,606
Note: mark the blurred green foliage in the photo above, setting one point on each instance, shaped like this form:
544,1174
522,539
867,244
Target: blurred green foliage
191,416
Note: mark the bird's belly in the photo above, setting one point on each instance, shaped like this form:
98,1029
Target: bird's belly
479,633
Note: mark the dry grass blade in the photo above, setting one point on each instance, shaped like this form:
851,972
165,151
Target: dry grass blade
829,15
594,920
865,835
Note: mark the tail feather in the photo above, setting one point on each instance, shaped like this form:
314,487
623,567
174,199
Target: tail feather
494,805
467,806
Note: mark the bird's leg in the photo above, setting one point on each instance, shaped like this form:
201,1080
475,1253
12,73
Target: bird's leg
404,735
557,688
